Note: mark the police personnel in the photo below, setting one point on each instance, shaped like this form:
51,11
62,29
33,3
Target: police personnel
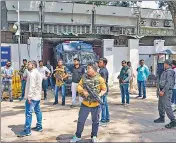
89,104
166,86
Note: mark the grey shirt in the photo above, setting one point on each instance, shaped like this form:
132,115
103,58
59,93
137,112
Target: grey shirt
167,80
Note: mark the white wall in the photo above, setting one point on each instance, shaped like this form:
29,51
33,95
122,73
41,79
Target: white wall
34,51
120,54
108,51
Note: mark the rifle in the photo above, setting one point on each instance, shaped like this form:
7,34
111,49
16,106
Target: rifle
93,94
58,77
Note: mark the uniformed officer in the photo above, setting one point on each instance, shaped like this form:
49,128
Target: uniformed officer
166,84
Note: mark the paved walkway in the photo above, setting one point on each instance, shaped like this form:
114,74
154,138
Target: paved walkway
128,124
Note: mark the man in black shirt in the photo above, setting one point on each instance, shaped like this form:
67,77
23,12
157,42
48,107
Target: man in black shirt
77,71
105,74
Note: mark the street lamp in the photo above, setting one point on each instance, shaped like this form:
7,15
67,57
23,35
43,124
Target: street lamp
137,12
16,27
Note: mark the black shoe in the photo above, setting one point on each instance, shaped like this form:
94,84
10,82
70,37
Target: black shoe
138,96
63,103
174,110
143,97
72,106
37,129
107,121
172,124
11,100
55,103
159,120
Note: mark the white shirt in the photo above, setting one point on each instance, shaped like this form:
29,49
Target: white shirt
43,71
175,78
33,89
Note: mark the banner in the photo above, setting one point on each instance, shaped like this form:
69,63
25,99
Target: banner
5,54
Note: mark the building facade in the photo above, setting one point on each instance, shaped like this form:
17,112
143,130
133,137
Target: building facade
61,18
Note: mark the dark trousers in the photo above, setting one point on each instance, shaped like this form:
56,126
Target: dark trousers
45,86
142,86
164,105
125,93
83,114
23,83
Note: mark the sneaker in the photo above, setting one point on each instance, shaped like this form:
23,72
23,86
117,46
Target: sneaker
75,139
138,96
23,134
107,121
94,139
55,103
126,105
122,103
37,129
20,99
159,120
45,98
103,124
72,106
172,124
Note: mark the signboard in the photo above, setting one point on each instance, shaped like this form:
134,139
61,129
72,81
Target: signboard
5,54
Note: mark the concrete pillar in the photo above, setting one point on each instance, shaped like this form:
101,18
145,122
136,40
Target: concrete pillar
108,48
158,46
133,56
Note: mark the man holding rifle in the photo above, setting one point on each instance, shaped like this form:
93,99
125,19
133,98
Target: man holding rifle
60,75
91,87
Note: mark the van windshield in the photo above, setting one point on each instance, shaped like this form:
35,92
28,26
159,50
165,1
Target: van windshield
87,57
69,57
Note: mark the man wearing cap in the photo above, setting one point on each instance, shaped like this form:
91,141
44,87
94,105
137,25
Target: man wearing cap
89,104
166,85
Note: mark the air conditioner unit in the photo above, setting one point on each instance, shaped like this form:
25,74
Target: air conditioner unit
130,31
155,23
168,23
115,29
143,22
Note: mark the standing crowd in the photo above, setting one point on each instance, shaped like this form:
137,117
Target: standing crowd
37,79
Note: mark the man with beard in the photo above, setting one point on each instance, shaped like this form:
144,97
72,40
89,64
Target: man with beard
60,75
45,72
33,93
7,74
23,77
77,71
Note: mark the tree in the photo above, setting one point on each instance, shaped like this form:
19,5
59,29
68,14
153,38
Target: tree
116,3
171,6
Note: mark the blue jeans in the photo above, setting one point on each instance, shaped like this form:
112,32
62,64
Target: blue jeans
29,108
142,85
62,88
23,84
125,92
105,109
83,114
44,86
50,81
174,96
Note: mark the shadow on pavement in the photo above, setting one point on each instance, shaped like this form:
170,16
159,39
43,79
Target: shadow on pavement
16,128
67,137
